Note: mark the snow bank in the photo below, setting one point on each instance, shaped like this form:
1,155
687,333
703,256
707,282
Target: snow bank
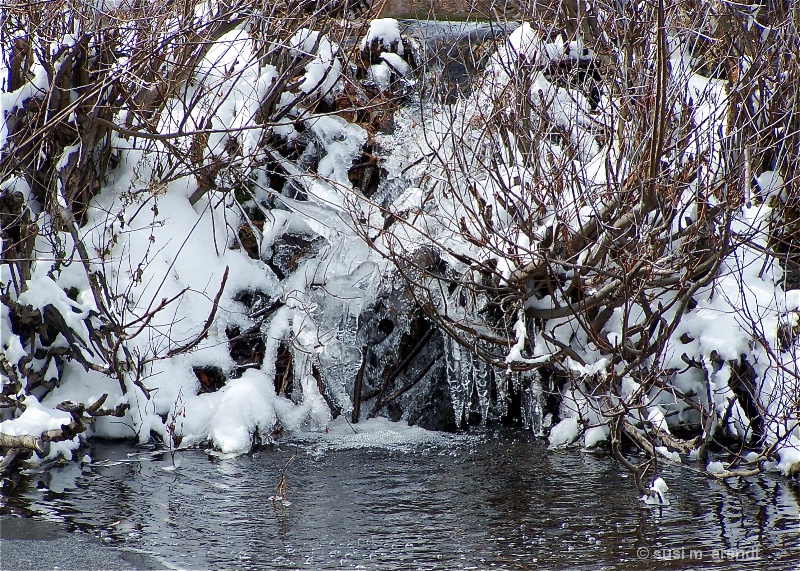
153,244
158,249
732,324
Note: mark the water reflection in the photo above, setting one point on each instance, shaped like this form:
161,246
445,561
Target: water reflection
500,501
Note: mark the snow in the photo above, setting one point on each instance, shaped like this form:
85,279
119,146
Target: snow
668,454
789,455
324,69
564,433
35,420
515,354
385,31
397,63
595,435
12,345
10,101
342,142
381,75
233,417
659,490
735,318
156,246
526,42
656,417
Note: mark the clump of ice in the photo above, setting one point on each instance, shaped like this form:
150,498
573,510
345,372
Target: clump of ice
381,75
595,435
668,454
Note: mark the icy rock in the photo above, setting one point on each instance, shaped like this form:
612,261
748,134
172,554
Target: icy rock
388,335
291,250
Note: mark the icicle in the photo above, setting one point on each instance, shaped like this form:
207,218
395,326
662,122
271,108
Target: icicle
533,403
501,382
481,377
340,358
458,379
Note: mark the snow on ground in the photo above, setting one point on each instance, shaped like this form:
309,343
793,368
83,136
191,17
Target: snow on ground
737,316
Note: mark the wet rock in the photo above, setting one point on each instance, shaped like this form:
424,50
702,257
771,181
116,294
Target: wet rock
291,250
454,53
404,376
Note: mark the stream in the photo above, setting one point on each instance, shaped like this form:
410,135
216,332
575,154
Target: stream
398,499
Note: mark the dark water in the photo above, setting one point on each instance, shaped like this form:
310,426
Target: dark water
471,502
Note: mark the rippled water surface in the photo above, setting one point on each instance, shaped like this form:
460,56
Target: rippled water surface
457,502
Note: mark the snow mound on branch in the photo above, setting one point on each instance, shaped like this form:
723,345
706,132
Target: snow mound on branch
397,63
37,419
387,32
526,42
324,69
